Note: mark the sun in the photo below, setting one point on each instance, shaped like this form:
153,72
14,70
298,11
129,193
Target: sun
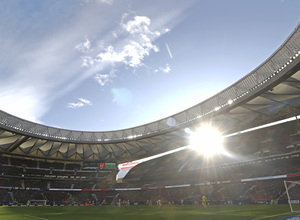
207,141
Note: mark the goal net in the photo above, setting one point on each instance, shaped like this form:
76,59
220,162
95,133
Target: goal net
37,202
293,194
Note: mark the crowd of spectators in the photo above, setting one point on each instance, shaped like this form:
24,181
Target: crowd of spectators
259,192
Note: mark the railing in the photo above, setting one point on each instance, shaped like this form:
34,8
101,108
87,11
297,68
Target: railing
264,75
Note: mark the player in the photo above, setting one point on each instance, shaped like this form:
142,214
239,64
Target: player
204,201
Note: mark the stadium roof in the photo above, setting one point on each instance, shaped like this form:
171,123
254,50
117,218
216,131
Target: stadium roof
270,92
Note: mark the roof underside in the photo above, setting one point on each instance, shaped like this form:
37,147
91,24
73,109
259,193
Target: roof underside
271,92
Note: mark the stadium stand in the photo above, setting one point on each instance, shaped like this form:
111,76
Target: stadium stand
243,177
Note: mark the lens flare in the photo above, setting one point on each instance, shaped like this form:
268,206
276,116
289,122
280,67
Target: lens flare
207,141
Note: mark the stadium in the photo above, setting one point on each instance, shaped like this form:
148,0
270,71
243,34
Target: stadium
239,148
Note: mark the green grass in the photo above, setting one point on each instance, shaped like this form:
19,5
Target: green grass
234,212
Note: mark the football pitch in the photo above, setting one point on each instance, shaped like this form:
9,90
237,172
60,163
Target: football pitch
188,212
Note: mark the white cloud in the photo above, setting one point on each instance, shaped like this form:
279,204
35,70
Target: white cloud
85,101
166,69
84,46
106,1
134,40
75,105
103,79
140,24
110,55
87,61
99,1
81,103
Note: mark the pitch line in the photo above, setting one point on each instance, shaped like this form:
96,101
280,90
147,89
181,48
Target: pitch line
31,216
270,216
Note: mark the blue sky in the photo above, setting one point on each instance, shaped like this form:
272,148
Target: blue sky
99,65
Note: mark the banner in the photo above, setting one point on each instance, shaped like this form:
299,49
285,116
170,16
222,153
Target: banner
101,165
107,166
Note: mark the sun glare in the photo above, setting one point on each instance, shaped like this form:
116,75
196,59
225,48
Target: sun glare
207,141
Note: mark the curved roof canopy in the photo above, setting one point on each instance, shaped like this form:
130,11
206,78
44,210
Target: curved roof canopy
268,93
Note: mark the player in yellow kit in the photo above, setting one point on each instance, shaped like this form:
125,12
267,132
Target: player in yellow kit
204,201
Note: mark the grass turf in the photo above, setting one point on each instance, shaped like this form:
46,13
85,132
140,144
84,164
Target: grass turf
234,212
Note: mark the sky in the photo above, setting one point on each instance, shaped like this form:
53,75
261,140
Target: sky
102,65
